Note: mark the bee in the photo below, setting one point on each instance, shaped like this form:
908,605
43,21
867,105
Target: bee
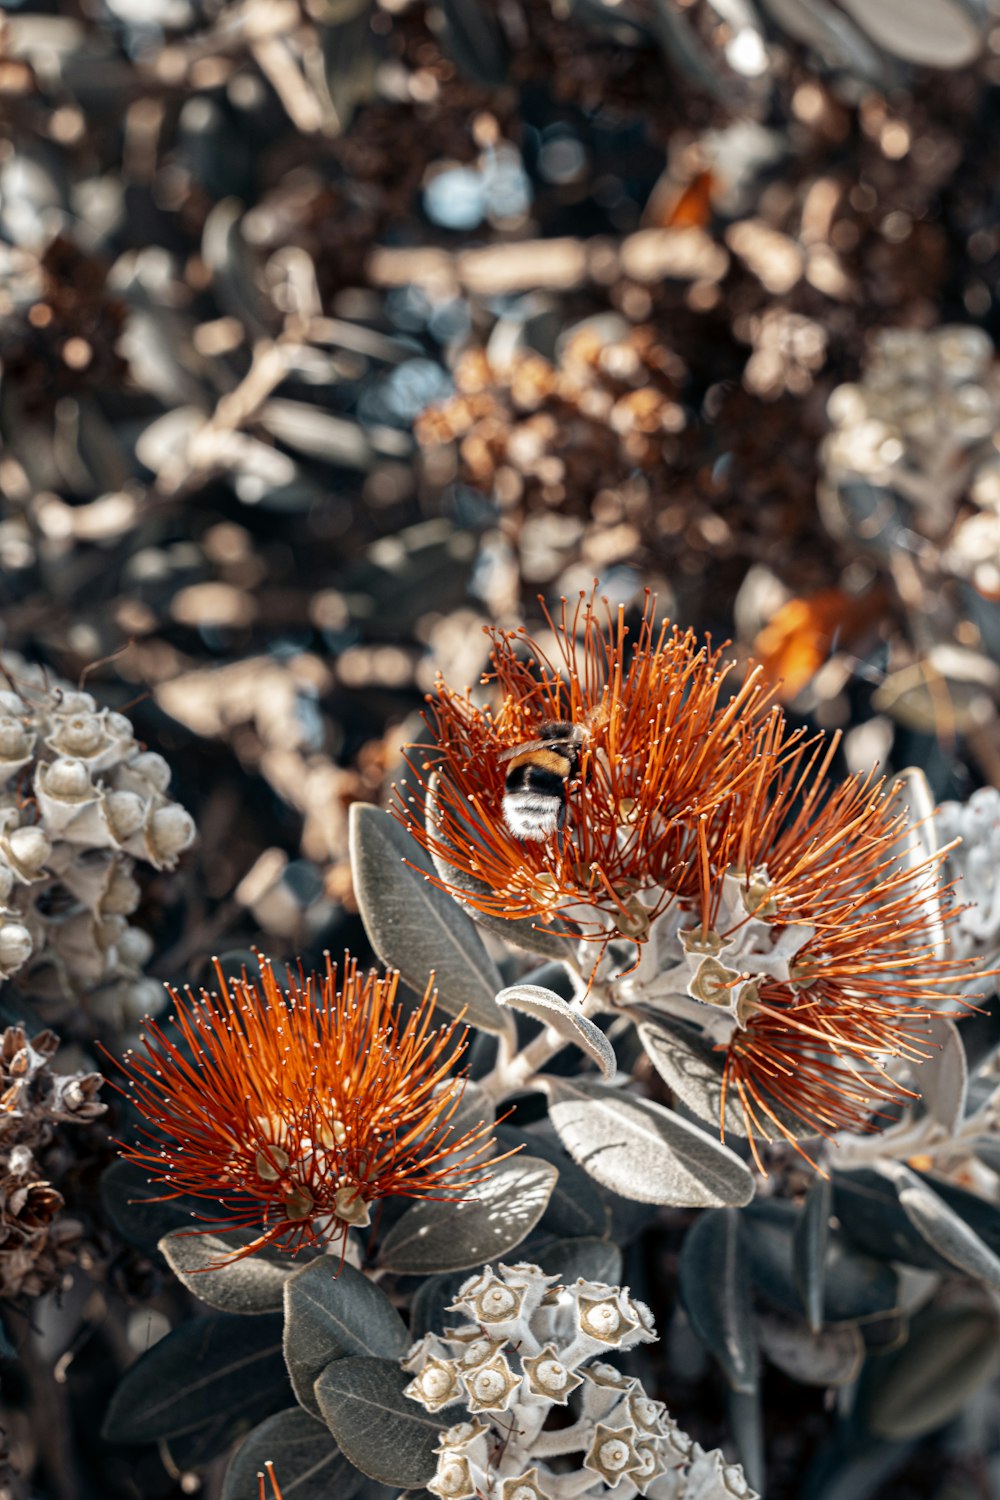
534,799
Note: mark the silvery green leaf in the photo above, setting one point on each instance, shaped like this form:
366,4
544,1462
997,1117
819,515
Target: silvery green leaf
692,1068
575,1208
715,1291
329,1315
832,1357
307,1461
827,30
523,932
857,1286
919,842
644,1151
138,1210
252,1285
490,1222
950,1354
746,1421
943,1079
552,1010
414,926
870,1212
220,1371
930,33
810,1245
383,1433
428,1310
941,1226
593,1259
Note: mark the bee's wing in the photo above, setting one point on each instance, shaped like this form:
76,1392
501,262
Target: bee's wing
524,749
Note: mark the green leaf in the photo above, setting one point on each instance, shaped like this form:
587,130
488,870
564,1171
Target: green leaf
831,1357
715,1291
384,1434
428,1311
869,1209
644,1151
576,1207
593,1259
810,1244
129,1199
943,1229
328,1316
692,1068
553,1011
414,926
252,1285
207,1368
855,1285
943,1080
746,1420
307,1461
506,1206
951,1353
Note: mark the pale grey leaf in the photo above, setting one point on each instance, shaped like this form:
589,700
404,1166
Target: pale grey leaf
252,1285
643,1151
552,1010
943,1229
500,1211
414,926
384,1434
329,1315
307,1461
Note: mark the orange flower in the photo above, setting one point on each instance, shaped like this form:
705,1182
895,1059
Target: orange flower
661,745
823,938
295,1108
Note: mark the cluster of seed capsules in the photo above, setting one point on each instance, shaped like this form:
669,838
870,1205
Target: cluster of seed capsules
80,802
528,1346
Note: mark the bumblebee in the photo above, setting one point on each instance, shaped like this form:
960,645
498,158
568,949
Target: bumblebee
534,800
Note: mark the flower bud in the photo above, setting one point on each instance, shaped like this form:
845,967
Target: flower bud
27,850
15,947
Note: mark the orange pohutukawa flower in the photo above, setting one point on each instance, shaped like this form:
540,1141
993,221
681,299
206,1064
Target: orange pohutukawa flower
295,1107
660,743
812,925
786,916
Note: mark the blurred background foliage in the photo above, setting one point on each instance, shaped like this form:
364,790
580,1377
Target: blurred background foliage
332,330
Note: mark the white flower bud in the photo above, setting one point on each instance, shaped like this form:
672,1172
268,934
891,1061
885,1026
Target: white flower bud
6,881
73,701
15,741
135,950
171,830
122,895
83,735
68,780
15,947
144,773
27,850
11,706
126,814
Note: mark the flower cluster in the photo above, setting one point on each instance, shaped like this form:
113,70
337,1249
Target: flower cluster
788,916
297,1108
80,802
36,1243
527,1346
